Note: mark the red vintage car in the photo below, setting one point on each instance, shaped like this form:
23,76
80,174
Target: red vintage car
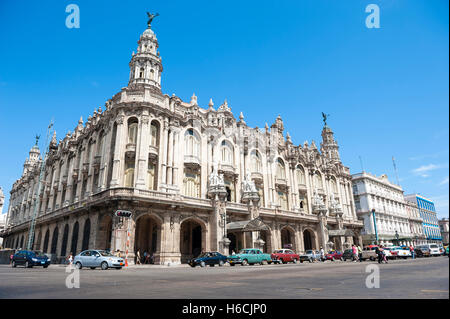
333,255
284,256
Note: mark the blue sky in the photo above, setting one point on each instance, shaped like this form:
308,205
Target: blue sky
386,89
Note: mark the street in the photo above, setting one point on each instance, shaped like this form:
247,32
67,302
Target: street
419,278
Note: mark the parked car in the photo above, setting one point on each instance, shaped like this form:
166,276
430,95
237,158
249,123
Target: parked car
446,251
284,256
390,252
369,253
442,250
209,258
310,255
422,251
428,250
29,259
333,255
250,256
98,258
402,252
348,254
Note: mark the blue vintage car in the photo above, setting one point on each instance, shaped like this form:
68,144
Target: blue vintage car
250,256
209,258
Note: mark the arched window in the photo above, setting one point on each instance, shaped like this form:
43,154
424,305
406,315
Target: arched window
300,173
255,162
151,173
282,200
334,186
227,153
281,173
192,143
132,131
129,173
318,180
154,134
191,183
141,73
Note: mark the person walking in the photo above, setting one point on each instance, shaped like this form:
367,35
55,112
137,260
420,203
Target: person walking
355,253
322,254
145,257
138,258
413,253
379,253
70,258
360,253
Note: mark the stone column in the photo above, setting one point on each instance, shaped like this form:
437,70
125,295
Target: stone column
142,153
163,156
169,157
119,151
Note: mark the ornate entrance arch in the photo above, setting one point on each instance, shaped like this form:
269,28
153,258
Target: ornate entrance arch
288,238
192,238
148,237
309,239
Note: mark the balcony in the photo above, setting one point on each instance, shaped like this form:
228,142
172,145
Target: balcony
280,181
192,161
226,168
257,177
153,151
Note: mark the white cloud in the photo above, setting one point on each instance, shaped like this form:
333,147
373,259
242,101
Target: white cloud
424,169
445,181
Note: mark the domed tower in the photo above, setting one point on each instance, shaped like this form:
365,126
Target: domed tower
32,159
145,65
329,146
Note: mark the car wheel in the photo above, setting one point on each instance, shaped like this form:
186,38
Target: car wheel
232,265
301,261
78,265
92,267
104,265
202,264
220,263
372,259
46,266
245,262
27,264
345,259
332,258
264,262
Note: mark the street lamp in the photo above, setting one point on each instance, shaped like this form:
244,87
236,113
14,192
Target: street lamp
396,237
375,225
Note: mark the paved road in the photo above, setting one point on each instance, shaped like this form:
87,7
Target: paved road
419,278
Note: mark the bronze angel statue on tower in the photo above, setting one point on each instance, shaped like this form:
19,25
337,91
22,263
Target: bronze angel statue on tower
151,16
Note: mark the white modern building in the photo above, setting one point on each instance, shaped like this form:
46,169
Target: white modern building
429,218
381,205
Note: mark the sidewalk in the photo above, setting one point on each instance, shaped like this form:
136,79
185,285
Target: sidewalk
146,266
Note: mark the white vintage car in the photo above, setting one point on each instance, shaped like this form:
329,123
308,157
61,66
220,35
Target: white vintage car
402,252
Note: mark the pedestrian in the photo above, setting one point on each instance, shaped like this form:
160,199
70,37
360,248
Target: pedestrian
70,258
145,257
355,253
379,253
360,253
118,253
413,253
384,256
322,254
138,258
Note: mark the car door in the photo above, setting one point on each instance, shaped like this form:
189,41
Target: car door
19,258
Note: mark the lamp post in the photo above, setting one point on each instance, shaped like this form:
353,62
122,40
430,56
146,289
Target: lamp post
375,225
396,237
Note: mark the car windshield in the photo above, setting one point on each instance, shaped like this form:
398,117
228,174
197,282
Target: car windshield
245,251
105,253
37,253
309,252
278,252
433,246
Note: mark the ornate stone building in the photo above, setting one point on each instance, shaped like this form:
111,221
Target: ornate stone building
188,174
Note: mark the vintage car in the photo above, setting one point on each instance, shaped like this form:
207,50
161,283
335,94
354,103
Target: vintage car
209,259
402,252
284,256
390,252
333,255
310,255
250,256
369,253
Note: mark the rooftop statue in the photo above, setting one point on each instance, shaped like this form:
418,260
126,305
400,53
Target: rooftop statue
325,116
151,16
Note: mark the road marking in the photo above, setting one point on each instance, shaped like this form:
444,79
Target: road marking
436,291
306,288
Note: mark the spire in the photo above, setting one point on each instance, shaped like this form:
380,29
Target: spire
211,104
146,65
193,99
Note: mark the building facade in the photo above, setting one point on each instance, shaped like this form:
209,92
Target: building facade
194,179
427,211
415,223
381,205
2,216
443,226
